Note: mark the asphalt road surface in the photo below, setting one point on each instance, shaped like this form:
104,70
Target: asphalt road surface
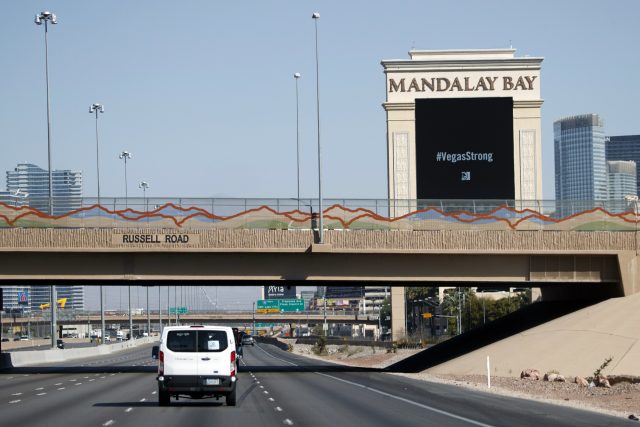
275,389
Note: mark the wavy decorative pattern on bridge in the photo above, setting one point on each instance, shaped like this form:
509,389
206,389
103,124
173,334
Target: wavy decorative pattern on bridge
336,216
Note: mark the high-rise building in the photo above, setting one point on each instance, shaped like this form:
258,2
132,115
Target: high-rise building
622,179
11,300
32,183
624,147
580,162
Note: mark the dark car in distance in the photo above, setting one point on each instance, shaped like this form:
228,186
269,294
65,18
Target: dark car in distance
248,340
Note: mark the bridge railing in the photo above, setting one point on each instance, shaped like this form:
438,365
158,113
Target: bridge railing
339,214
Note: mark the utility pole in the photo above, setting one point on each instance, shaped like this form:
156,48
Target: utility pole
253,310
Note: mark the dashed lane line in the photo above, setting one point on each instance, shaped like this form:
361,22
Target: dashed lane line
279,409
41,394
128,410
288,422
108,423
14,401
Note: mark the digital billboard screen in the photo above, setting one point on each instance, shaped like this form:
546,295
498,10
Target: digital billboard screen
464,148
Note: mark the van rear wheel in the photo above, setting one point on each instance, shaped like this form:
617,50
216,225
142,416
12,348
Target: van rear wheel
163,398
231,397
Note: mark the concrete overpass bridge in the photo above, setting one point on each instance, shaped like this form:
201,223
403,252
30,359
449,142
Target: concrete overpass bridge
587,253
236,318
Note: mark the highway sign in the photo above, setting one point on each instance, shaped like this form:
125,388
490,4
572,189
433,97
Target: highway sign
280,305
180,310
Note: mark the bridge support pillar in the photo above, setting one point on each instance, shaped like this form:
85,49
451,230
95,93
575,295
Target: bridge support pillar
398,313
629,263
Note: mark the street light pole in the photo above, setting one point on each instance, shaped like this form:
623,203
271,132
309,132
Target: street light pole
125,155
315,17
102,322
144,185
148,315
159,311
97,108
130,318
297,76
47,17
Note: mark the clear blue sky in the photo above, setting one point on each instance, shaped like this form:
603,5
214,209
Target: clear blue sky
202,93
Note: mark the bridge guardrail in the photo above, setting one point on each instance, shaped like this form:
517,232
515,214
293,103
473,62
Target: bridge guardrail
185,214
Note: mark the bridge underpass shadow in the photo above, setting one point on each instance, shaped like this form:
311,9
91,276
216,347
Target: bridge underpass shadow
32,370
511,324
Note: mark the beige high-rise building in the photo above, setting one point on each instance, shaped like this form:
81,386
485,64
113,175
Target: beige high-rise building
464,124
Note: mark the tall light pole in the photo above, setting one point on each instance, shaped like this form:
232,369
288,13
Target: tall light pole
102,322
97,108
130,318
144,185
159,311
315,17
297,76
124,156
47,17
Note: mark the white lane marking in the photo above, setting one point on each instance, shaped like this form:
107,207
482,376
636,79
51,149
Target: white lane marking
41,394
288,422
266,392
16,394
86,377
271,399
279,409
39,388
14,401
92,379
108,423
153,392
10,378
58,384
78,384
128,410
143,399
72,380
392,396
102,378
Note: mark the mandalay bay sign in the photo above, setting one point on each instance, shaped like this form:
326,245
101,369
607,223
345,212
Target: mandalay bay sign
462,84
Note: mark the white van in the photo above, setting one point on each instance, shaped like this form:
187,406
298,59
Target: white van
198,362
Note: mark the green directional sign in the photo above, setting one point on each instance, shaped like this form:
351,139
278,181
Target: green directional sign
291,305
180,310
280,305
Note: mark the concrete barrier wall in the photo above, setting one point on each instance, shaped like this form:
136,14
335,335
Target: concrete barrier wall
27,358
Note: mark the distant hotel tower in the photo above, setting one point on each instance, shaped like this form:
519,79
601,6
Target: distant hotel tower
32,182
580,162
625,147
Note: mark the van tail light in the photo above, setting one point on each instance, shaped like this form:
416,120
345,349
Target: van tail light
233,364
161,364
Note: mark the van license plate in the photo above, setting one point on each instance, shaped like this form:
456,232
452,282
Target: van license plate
211,381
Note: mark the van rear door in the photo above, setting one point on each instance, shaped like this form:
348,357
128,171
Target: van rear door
181,356
214,356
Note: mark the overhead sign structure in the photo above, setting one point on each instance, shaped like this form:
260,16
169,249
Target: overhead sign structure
280,306
180,310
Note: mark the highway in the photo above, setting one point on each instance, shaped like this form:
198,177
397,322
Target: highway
275,388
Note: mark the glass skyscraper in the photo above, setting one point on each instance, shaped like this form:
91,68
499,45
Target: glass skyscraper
622,179
624,147
580,161
32,183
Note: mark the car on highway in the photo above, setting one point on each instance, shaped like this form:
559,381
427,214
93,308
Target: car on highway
248,340
197,361
155,350
5,339
60,344
24,338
